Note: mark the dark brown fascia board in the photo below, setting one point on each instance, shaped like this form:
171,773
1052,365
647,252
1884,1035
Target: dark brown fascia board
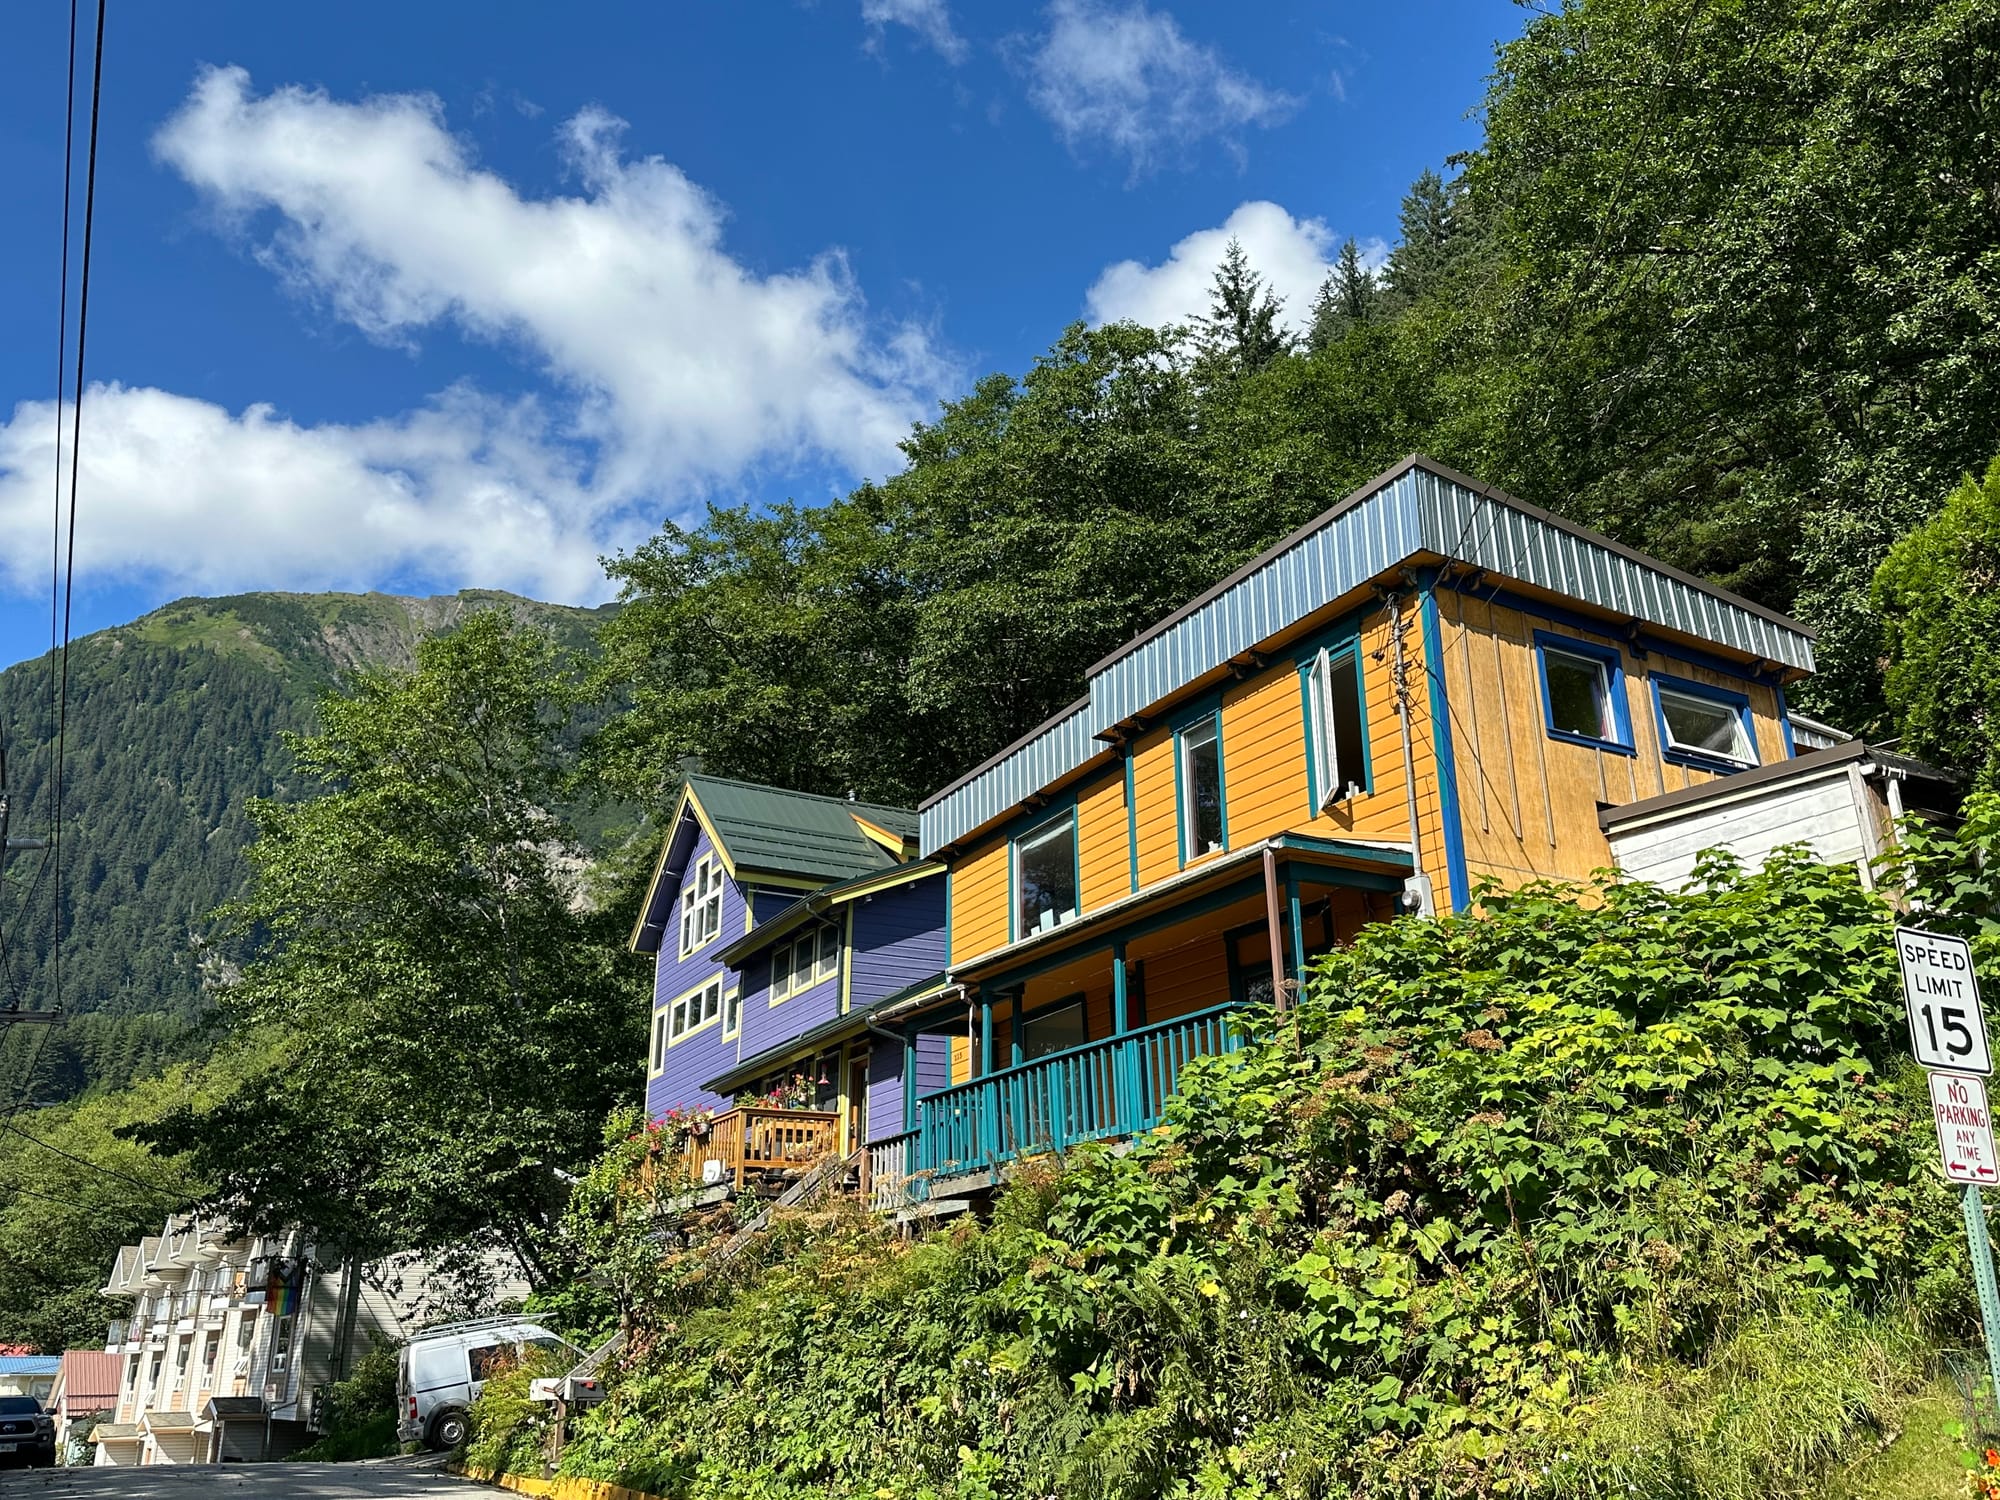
1388,477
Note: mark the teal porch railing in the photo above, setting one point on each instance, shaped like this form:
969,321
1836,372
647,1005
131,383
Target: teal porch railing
1095,1092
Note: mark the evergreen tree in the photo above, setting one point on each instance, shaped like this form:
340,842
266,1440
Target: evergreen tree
1348,296
1429,227
1241,331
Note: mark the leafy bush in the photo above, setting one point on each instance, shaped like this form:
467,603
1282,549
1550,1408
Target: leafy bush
361,1410
509,1429
1593,1189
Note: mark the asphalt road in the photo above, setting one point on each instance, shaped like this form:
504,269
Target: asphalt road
384,1479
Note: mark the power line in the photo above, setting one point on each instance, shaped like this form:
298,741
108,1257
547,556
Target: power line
151,1187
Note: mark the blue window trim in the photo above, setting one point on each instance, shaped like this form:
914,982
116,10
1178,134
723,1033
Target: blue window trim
1621,711
1728,698
1014,842
1349,648
1212,715
1784,724
1131,819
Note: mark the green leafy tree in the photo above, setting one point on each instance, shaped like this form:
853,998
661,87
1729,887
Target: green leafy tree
1938,593
1752,305
434,1017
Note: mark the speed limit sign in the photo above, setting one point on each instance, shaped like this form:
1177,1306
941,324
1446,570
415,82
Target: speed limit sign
1941,993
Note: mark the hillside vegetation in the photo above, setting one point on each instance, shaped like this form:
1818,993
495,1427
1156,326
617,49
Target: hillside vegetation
1595,1192
176,723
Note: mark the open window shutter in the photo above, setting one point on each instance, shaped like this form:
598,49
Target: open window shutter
1325,754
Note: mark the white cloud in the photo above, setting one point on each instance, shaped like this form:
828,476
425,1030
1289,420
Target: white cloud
929,19
674,371
1126,78
1292,255
184,494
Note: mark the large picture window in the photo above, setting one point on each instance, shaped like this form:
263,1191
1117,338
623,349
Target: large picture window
1056,1029
805,961
1201,789
1338,729
1702,724
701,904
1583,693
1045,877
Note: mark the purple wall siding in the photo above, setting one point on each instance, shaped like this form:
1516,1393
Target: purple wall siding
885,1080
766,1025
704,1054
898,939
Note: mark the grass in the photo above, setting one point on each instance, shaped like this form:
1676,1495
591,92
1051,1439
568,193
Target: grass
1924,1462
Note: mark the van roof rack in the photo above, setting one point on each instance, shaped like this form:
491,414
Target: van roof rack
469,1325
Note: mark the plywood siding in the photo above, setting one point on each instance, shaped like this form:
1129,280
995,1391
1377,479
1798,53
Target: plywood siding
979,901
1528,803
1103,851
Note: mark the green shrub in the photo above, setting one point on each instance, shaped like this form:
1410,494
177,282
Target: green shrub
361,1410
1593,1189
509,1429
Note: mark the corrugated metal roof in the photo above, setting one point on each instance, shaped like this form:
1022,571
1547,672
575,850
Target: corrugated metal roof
30,1364
1419,508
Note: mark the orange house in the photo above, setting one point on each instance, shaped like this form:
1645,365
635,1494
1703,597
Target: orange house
1429,685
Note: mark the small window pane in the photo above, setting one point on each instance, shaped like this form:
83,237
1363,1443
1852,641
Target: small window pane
1705,726
1334,689
829,951
1579,695
1201,789
802,963
732,1012
1046,873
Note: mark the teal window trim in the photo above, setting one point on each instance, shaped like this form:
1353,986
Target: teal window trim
1131,821
1612,662
1211,715
1722,697
1014,844
1350,650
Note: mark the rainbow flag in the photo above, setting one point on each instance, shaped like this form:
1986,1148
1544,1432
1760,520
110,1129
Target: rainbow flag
281,1292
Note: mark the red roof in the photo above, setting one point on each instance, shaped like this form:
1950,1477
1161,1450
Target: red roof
88,1382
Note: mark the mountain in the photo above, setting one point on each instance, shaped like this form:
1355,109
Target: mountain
175,722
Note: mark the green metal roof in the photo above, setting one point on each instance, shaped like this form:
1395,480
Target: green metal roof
797,833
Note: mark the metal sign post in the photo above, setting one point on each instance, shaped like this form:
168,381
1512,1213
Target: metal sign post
1948,1036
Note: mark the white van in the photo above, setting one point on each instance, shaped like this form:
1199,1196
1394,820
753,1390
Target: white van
440,1370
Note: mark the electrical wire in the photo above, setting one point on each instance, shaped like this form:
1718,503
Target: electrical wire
59,665
98,1167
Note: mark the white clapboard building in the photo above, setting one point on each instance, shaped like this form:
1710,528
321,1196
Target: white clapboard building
1842,802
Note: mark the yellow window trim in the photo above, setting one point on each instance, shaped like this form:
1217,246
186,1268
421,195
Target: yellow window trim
693,1031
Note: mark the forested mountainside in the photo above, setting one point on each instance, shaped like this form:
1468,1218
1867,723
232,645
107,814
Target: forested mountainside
175,722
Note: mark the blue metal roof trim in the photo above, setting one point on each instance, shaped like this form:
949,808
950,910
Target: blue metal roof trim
1049,756
1513,544
1418,511
1345,553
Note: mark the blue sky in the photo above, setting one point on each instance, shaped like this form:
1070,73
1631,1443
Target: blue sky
420,297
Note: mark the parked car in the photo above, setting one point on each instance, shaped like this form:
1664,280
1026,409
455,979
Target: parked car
442,1369
27,1433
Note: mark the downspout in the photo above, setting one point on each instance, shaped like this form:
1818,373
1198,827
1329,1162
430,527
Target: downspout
1274,929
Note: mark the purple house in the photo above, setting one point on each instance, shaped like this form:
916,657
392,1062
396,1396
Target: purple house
783,926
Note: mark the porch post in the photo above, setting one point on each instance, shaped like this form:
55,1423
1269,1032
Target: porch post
1014,1028
1119,1021
1298,926
985,1034
1274,938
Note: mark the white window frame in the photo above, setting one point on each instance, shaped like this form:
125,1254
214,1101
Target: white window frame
658,1057
1334,779
732,1011
1716,702
701,905
1064,822
694,1012
1206,730
824,942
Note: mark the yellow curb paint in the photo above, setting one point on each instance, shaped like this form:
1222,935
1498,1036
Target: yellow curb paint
562,1487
